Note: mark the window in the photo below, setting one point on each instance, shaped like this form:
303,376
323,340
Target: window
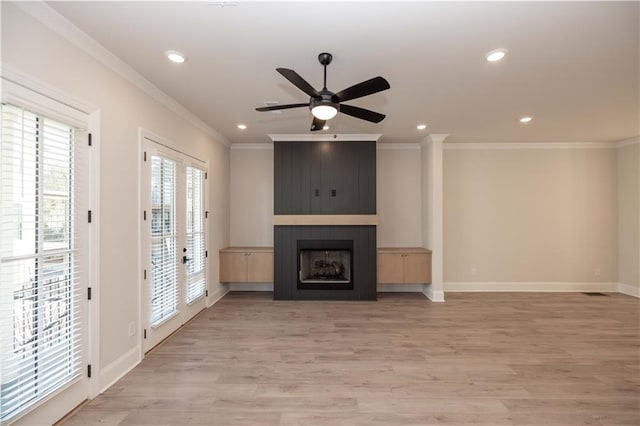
41,345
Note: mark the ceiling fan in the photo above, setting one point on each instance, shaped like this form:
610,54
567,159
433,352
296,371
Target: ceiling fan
325,104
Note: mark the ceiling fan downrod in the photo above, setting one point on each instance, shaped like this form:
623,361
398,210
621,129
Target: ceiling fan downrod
325,59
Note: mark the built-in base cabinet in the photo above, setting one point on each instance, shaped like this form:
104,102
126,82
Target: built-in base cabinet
394,265
404,266
246,265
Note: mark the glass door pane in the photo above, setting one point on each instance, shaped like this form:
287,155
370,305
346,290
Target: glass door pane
164,271
195,259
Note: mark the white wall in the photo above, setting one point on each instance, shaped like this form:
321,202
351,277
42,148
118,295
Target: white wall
629,217
251,196
32,48
399,196
530,215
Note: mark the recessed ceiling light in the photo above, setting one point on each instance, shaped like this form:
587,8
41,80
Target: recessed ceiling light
326,128
421,126
496,55
175,56
526,119
242,126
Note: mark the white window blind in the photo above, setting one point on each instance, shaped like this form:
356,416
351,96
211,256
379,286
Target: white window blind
196,278
40,290
164,262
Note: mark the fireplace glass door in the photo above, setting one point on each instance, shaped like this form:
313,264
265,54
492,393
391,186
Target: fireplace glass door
325,264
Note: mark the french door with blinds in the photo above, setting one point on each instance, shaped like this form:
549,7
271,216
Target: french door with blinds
174,241
44,267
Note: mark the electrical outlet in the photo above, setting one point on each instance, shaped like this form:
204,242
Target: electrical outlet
474,271
132,328
597,272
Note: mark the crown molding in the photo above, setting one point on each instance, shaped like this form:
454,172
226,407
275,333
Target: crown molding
248,146
357,137
62,26
398,146
528,145
628,142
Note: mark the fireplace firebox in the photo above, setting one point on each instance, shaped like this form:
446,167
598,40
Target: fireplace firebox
325,264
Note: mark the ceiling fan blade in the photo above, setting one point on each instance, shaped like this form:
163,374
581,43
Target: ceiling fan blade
374,85
361,113
298,81
317,124
276,107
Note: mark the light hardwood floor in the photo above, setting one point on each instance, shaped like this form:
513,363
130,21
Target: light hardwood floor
481,359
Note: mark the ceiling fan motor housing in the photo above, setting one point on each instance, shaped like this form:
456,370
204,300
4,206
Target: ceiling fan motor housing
325,100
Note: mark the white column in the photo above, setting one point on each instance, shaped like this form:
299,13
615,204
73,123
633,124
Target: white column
432,212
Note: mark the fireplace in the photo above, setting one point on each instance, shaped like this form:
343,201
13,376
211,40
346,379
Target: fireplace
324,234
325,264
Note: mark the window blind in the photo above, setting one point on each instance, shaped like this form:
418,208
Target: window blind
40,261
164,262
196,278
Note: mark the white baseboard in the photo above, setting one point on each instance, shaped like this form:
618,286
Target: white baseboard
433,295
628,289
562,287
399,288
251,287
118,368
214,297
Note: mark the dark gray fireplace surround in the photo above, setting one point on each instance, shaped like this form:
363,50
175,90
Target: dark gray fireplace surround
287,283
325,261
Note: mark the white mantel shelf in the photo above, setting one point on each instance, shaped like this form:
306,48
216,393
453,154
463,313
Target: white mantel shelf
326,219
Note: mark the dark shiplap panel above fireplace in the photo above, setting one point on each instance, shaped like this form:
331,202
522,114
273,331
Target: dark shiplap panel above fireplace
328,177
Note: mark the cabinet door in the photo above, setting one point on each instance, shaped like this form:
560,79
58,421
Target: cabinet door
318,194
340,178
417,268
260,267
278,171
390,268
328,156
347,179
284,177
233,267
304,175
292,192
366,154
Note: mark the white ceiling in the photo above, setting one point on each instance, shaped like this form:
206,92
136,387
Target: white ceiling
573,66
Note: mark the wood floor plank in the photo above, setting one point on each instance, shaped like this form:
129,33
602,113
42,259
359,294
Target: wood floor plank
478,359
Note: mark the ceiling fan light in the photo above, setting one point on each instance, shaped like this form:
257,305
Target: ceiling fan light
324,112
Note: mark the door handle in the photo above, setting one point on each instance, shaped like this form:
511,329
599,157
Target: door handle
185,259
